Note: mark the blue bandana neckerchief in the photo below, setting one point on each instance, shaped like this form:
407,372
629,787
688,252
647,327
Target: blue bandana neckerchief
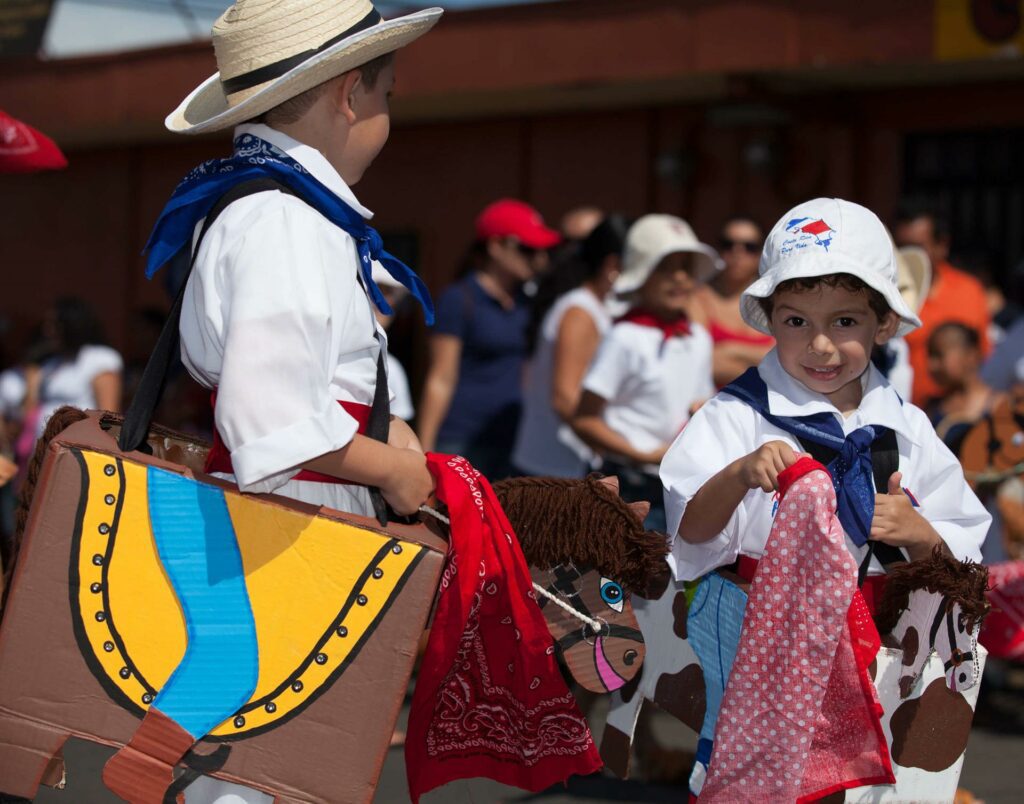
851,472
255,158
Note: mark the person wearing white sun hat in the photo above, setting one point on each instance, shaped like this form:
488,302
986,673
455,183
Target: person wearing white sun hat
277,316
654,366
828,293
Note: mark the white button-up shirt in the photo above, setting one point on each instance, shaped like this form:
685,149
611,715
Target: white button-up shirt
275,319
650,382
726,429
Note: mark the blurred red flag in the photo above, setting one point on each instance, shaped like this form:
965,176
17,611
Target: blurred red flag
23,149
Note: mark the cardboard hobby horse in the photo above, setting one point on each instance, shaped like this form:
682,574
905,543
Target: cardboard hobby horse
886,718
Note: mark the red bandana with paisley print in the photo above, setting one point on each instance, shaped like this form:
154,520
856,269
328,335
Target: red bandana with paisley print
489,700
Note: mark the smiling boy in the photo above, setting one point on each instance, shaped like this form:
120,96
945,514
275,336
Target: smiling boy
827,292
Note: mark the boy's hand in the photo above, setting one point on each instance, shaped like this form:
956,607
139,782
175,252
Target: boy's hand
760,469
410,483
897,523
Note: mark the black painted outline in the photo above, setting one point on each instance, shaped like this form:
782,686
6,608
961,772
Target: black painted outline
85,647
329,681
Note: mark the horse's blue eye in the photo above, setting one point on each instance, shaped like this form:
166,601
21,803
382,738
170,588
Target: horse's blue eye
611,593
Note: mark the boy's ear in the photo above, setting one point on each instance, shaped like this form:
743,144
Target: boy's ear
347,94
887,328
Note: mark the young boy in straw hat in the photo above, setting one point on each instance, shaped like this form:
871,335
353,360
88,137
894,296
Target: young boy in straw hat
828,294
278,313
654,364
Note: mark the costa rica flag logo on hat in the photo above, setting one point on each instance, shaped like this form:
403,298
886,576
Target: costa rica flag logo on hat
814,227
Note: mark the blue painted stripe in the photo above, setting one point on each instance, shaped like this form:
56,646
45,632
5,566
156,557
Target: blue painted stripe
196,542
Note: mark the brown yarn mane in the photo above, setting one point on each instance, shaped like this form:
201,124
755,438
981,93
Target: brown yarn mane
583,521
962,582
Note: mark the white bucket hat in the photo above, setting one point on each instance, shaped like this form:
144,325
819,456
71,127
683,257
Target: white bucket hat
827,236
269,51
654,237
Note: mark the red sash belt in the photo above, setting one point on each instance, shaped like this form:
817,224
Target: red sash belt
872,588
219,458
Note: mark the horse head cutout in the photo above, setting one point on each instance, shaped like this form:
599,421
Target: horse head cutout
588,552
936,604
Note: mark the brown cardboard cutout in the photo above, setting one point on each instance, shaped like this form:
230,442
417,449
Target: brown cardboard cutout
55,682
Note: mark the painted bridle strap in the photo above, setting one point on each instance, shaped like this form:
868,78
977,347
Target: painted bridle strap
608,631
595,625
956,657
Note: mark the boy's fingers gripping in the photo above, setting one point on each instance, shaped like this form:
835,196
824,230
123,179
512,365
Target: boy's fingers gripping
895,480
786,453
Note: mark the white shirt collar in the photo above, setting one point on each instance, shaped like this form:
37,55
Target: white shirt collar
880,404
310,158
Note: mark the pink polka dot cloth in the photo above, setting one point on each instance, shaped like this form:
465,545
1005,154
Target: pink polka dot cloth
800,716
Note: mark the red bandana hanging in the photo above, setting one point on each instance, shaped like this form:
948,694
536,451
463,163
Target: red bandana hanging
800,718
489,701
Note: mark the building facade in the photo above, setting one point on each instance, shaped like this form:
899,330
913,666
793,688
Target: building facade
701,108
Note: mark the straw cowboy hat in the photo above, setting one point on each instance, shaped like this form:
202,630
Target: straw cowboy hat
269,51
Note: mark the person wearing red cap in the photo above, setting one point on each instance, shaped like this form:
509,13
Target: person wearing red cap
472,396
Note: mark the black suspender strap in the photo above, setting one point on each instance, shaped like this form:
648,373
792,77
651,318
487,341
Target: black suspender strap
379,424
151,387
885,459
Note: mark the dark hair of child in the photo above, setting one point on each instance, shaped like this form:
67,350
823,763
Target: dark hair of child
576,267
876,301
969,336
293,109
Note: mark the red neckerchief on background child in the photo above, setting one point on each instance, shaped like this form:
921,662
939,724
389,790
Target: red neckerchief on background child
677,328
489,699
800,718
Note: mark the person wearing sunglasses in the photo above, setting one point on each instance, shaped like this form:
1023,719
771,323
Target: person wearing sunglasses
472,395
737,346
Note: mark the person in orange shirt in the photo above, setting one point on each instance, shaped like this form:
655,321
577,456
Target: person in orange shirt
954,294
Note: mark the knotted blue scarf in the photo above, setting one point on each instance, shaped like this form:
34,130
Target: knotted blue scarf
255,158
850,469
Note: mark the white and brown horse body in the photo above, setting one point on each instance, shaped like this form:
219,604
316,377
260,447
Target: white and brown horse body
928,694
935,623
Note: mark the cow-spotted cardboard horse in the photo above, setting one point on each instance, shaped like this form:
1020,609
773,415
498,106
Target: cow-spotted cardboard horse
926,674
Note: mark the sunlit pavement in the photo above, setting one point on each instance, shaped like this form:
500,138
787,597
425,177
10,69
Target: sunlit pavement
992,770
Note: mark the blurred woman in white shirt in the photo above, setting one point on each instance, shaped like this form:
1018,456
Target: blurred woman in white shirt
564,335
83,371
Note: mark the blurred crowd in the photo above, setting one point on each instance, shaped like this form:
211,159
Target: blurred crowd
564,352
588,347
